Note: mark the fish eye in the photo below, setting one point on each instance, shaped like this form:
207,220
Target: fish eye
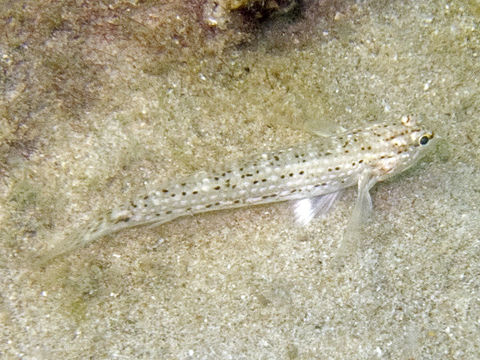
424,140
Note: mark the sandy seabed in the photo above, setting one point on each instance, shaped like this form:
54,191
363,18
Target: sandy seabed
97,109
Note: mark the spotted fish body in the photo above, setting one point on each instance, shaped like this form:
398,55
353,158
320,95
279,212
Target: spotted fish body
315,172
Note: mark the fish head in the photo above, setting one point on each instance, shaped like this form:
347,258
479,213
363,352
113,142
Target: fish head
404,143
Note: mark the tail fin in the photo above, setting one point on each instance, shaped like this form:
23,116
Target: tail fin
80,237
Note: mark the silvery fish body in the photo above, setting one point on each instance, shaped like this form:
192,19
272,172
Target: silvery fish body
313,174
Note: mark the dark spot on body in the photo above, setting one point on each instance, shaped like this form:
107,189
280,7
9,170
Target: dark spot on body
216,188
337,168
291,174
255,182
301,172
264,180
165,190
208,206
195,192
236,201
184,193
276,158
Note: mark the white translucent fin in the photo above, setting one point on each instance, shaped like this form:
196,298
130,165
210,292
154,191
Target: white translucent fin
307,209
161,222
361,212
322,128
317,126
363,206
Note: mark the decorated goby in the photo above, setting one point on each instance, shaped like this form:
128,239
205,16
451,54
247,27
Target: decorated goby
313,174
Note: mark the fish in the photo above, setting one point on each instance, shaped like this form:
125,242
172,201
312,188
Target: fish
312,174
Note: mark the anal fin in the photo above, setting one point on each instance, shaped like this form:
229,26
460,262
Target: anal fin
307,209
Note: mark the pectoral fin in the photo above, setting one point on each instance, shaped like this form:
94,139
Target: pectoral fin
363,205
361,212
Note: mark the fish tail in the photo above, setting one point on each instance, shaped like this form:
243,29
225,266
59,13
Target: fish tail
65,243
